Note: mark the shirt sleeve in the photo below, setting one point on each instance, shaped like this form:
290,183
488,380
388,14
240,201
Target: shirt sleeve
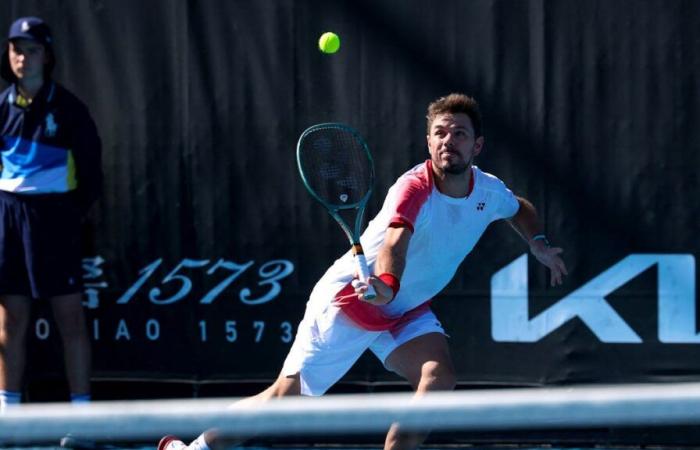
408,197
509,205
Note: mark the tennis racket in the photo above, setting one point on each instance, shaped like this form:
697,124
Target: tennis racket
337,169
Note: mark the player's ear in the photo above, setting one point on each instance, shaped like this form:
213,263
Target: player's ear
479,145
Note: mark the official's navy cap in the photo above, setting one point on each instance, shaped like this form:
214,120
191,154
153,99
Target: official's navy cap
32,28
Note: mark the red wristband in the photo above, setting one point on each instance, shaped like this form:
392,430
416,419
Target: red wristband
390,280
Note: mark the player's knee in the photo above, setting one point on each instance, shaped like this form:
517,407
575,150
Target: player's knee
286,385
437,376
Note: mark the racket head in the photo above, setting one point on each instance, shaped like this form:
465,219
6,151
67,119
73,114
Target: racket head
336,166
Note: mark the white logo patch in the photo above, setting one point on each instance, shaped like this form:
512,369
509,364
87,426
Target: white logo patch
25,26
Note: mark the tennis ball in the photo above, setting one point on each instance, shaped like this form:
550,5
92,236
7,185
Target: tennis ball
329,42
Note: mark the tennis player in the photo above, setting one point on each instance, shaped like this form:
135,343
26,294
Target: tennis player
50,173
431,219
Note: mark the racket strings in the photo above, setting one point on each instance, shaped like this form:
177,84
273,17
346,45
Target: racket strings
336,165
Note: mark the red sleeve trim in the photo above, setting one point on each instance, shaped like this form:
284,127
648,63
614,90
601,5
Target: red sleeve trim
400,222
412,194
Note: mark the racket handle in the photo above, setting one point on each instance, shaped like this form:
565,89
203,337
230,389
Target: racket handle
363,272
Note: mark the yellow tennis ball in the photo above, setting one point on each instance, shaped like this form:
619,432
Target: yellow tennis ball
329,42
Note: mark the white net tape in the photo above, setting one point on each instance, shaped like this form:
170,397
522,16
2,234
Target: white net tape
527,408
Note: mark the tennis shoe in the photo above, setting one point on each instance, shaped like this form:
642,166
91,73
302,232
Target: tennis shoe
170,442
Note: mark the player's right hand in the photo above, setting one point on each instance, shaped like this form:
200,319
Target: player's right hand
384,293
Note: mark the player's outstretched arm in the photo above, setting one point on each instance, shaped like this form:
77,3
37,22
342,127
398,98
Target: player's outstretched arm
527,224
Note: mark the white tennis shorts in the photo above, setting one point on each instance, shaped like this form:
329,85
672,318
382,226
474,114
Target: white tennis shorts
328,343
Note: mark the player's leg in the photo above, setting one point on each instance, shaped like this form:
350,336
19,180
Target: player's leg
326,346
283,386
418,352
213,439
52,239
15,311
70,319
425,362
15,299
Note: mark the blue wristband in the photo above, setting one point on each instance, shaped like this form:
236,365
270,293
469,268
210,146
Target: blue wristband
540,237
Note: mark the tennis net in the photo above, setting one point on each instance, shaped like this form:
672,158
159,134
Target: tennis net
504,409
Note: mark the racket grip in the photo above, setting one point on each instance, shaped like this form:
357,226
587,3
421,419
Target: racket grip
363,272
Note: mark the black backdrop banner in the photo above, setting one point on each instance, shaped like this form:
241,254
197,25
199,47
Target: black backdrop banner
201,253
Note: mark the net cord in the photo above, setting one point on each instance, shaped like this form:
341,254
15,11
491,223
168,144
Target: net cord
525,408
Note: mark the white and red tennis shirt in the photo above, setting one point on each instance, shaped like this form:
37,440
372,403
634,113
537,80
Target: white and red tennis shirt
445,230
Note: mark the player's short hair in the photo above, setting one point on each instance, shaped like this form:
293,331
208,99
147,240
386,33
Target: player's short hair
453,104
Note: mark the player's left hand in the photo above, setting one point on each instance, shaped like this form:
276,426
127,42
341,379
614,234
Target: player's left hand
549,256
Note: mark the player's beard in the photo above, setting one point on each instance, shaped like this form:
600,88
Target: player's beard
458,168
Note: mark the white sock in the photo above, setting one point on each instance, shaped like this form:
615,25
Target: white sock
199,444
8,398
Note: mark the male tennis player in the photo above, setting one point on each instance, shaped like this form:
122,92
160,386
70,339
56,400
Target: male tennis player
50,173
431,219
